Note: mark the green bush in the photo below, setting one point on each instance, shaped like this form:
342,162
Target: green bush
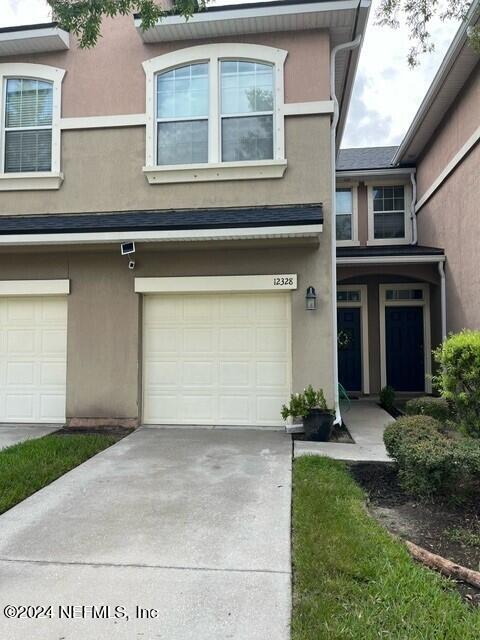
387,397
301,404
430,461
428,406
458,379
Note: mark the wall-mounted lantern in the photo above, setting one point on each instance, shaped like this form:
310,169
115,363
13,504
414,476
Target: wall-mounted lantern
310,299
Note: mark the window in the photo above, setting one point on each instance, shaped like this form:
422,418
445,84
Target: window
217,113
344,295
344,207
389,212
28,125
404,294
182,115
246,110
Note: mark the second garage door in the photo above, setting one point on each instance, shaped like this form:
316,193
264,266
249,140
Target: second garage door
216,359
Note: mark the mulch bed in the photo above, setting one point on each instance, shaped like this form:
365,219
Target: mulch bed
116,432
426,523
339,433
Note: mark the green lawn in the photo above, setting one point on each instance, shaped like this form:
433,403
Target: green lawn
29,466
352,580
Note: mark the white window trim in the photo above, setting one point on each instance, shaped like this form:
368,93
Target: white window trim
363,305
372,241
42,179
427,339
354,242
214,169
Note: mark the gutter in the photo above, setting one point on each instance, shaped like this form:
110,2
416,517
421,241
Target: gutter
333,132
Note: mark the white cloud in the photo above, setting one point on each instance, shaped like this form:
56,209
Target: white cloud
387,92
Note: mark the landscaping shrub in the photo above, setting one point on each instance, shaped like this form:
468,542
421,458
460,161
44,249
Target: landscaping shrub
437,408
387,397
458,379
430,461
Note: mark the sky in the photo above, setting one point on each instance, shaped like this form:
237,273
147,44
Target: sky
386,95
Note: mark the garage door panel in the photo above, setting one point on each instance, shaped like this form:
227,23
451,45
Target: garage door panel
234,374
234,369
33,347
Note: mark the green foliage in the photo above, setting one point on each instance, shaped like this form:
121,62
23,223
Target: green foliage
387,397
464,536
430,460
31,465
301,404
458,379
352,579
418,14
437,408
84,17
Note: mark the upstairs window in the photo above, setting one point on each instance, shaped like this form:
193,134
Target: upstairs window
28,125
215,112
344,217
247,100
182,115
389,212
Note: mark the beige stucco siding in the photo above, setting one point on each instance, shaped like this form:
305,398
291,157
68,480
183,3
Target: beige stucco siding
104,314
451,219
461,121
103,172
109,79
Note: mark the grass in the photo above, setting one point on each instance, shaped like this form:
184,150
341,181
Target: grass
29,466
464,536
352,580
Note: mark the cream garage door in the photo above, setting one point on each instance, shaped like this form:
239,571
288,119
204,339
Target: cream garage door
33,348
216,359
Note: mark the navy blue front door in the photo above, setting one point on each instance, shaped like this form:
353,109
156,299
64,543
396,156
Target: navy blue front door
349,348
404,348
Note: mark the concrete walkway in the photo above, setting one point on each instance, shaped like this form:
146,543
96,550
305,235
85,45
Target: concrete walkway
192,523
14,433
366,422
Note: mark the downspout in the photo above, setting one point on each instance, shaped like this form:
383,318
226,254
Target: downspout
333,132
443,297
413,213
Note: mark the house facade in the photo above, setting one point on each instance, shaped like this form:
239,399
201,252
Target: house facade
202,152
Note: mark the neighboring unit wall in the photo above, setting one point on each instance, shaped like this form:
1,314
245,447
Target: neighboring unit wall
450,218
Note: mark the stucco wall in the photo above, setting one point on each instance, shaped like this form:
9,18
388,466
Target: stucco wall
104,313
109,79
451,219
103,172
459,124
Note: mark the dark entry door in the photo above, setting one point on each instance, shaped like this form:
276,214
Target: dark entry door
349,348
405,348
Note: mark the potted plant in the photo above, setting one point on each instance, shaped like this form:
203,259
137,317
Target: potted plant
293,412
318,418
308,413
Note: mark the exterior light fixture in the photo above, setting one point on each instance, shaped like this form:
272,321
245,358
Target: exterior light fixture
310,299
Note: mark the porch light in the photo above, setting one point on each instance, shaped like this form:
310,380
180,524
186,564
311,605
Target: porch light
311,299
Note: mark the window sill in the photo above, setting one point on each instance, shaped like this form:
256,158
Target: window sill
211,172
387,242
348,243
31,181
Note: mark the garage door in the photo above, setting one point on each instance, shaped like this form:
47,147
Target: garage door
216,359
33,347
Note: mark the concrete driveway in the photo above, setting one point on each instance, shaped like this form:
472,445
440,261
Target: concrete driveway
14,433
192,523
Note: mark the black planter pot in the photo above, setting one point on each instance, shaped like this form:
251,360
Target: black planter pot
318,425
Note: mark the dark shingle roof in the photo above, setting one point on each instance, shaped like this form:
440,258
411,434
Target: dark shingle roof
164,220
365,158
386,251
